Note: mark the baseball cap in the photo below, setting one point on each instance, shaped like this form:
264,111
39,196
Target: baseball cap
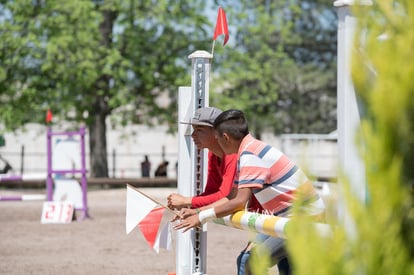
204,116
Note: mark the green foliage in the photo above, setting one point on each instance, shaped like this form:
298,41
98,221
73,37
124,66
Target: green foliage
261,260
281,69
378,235
87,59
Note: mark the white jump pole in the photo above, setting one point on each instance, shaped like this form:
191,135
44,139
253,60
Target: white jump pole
267,224
27,197
31,197
191,246
349,110
10,178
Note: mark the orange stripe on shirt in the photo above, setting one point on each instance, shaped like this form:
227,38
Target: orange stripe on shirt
279,202
280,168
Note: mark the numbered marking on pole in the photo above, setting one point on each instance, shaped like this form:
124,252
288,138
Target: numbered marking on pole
57,212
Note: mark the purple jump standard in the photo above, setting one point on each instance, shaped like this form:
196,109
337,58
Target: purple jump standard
82,171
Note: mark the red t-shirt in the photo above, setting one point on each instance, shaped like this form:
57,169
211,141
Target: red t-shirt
220,179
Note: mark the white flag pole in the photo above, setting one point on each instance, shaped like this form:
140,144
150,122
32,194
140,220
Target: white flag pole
212,49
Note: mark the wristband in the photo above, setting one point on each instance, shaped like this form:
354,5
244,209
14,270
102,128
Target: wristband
197,210
207,215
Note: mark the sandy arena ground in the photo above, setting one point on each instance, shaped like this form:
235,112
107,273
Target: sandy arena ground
98,245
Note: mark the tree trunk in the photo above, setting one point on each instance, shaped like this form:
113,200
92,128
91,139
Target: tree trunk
97,146
97,143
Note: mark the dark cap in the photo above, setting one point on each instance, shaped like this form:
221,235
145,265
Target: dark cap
204,116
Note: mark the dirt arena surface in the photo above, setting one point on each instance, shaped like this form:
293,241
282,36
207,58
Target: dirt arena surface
98,245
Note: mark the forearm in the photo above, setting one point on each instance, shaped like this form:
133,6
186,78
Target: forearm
232,195
207,199
214,204
220,209
186,201
228,208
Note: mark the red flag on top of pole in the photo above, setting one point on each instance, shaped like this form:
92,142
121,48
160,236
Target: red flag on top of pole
49,116
221,26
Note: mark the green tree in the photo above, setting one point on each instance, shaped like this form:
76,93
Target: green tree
281,68
86,59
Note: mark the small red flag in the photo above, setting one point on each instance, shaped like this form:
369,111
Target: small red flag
156,228
49,116
149,226
221,26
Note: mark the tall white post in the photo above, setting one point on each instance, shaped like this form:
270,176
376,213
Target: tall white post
349,111
192,164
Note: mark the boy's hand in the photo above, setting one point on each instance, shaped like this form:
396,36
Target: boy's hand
176,201
188,223
184,213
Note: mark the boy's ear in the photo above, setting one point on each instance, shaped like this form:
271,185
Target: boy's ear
226,137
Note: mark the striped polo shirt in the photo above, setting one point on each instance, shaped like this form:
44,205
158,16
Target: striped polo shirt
275,180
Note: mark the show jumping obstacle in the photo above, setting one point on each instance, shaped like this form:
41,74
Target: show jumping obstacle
55,173
82,171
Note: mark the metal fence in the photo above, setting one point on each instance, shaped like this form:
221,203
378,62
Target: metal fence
120,165
318,154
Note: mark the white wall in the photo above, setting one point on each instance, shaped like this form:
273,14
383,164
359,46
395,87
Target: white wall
133,142
130,143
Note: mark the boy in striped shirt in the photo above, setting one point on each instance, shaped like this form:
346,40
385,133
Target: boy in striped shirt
264,172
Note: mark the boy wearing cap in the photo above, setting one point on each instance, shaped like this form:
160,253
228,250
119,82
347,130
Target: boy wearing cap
221,167
264,173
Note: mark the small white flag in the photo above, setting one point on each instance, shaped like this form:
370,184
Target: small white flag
153,222
137,207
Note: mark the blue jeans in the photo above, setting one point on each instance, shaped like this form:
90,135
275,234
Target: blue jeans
276,249
241,262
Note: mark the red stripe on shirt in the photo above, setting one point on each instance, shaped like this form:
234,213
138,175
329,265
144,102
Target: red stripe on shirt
279,202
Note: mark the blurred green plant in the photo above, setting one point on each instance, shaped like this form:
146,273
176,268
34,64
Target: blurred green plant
261,259
378,237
